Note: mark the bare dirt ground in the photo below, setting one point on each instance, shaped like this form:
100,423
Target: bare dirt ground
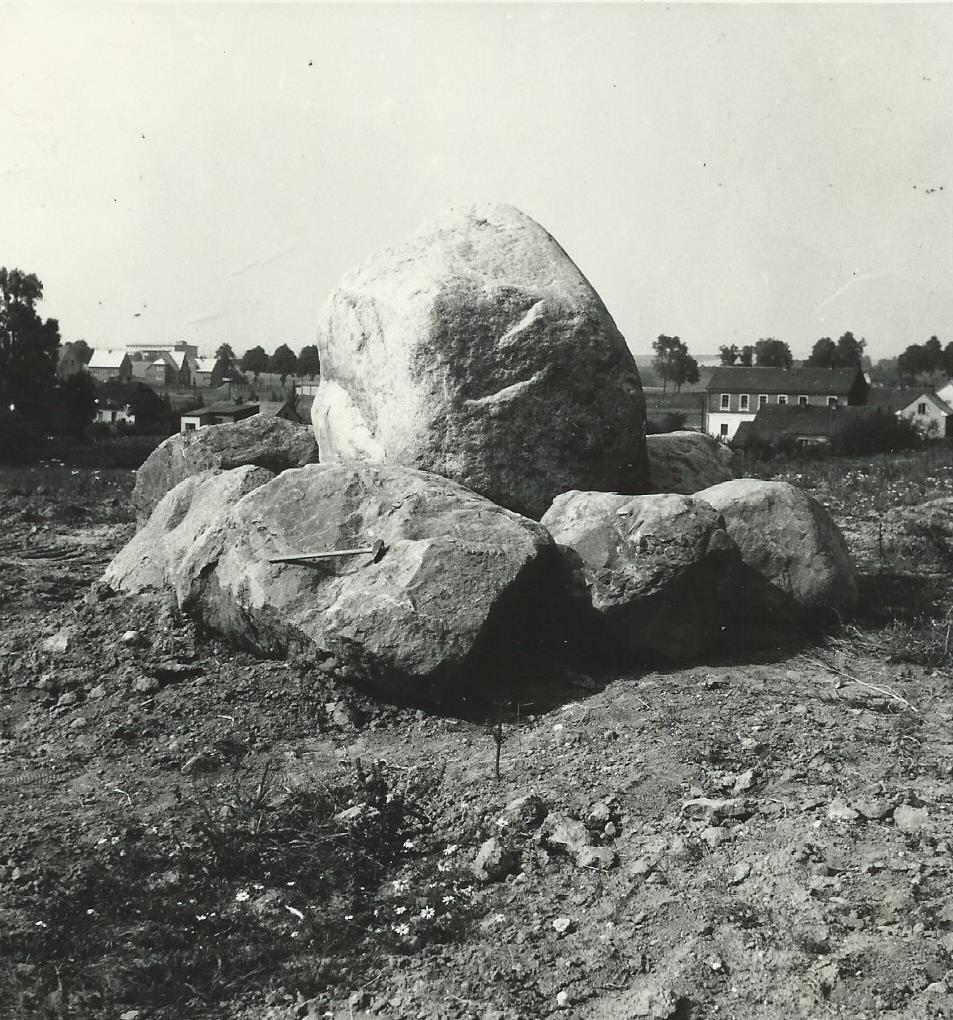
191,832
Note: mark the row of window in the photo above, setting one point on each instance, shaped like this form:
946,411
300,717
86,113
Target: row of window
744,398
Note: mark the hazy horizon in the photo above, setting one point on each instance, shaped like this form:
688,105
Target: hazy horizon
207,173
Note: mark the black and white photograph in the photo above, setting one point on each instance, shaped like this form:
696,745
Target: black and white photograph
476,511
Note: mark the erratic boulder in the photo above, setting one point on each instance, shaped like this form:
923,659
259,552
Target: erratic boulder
687,462
272,443
655,570
795,554
461,596
153,559
476,350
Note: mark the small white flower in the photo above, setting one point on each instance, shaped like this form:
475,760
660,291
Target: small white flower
348,917
449,851
241,895
443,866
40,924
402,929
449,899
201,917
294,934
427,913
408,844
499,918
400,910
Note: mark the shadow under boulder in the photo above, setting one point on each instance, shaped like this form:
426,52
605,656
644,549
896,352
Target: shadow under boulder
650,575
461,598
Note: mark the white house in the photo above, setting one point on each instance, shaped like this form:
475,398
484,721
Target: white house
931,414
108,365
735,394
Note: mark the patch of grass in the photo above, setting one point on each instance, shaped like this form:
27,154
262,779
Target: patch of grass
250,884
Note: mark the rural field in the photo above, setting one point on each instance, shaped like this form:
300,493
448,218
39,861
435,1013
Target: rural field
193,832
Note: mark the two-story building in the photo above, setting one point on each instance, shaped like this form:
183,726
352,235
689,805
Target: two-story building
105,366
734,395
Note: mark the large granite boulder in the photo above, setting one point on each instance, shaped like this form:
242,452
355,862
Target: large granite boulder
476,350
262,440
461,596
655,570
687,462
795,553
153,559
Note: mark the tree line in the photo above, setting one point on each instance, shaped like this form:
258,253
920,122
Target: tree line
283,362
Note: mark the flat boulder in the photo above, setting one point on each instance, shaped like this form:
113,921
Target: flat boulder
261,440
460,596
687,462
476,350
153,559
794,552
655,570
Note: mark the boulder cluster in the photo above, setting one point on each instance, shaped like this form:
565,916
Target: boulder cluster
481,425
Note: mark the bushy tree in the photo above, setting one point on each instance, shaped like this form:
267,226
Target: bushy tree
77,399
850,351
254,360
83,351
284,362
309,361
728,355
771,353
823,354
225,354
746,356
29,345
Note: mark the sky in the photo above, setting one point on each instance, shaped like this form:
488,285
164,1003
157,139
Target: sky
720,172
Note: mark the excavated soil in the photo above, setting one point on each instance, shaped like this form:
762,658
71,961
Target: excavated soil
774,838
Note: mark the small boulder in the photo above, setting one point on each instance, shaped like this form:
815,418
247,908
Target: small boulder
655,570
478,351
524,814
796,557
493,861
261,440
687,462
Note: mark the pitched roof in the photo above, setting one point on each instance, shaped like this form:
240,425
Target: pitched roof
106,359
203,364
898,399
828,381
777,419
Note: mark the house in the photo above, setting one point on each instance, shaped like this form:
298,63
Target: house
281,409
931,414
735,395
130,402
69,361
804,424
222,413
202,369
164,370
105,366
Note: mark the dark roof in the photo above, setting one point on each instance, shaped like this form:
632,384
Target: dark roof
228,407
830,381
122,393
780,419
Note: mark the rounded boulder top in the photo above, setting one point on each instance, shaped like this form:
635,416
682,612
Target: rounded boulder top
477,350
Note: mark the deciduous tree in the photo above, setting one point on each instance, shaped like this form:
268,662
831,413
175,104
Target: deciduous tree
284,362
771,353
254,360
823,354
28,344
728,355
309,361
